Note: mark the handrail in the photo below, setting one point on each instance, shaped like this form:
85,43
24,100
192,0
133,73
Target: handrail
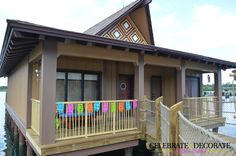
187,129
68,102
88,118
202,97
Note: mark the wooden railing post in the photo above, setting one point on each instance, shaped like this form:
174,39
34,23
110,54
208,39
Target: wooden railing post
143,118
174,122
158,117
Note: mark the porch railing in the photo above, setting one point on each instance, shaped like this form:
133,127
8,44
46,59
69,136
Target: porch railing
35,109
89,118
195,108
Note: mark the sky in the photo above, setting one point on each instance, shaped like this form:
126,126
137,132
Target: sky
206,27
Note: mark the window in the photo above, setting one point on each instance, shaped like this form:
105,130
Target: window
60,86
72,86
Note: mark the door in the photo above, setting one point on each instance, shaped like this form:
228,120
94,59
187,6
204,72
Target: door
156,87
192,86
125,87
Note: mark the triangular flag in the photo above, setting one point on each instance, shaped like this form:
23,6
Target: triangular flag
97,106
57,123
105,107
113,107
127,105
121,106
135,104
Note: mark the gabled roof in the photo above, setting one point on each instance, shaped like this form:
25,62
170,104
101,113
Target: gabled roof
102,26
22,37
110,21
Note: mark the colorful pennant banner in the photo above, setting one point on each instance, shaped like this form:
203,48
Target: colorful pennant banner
60,108
70,108
90,107
135,104
105,107
121,107
127,105
113,107
96,106
80,108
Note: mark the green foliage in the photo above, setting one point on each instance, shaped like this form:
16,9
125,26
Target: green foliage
3,88
225,87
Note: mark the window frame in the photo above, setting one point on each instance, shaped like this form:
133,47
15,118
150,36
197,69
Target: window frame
82,72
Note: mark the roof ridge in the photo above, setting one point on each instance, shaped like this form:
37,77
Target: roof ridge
99,28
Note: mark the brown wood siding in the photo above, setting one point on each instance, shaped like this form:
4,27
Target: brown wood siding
139,17
168,82
76,63
109,71
35,84
126,68
17,89
76,50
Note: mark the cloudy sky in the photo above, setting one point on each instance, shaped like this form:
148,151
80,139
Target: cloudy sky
206,27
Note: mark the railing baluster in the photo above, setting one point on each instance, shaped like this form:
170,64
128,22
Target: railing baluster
92,119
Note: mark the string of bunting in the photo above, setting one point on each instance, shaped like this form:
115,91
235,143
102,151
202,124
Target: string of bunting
97,106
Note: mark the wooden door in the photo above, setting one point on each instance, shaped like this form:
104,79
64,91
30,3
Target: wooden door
192,86
156,87
125,87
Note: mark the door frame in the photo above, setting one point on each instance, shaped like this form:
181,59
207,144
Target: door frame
153,76
131,76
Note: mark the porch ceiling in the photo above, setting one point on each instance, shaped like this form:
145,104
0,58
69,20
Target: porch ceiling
22,37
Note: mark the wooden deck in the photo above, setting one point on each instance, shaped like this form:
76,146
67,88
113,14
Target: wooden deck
209,123
226,138
80,143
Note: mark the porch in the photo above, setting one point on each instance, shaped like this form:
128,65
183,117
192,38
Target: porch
204,111
79,124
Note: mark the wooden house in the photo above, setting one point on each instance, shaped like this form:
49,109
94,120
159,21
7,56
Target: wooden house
75,93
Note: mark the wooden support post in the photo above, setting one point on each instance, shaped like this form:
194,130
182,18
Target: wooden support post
29,96
180,82
12,125
139,71
174,123
129,151
21,144
21,139
15,131
215,129
48,92
218,91
158,117
29,151
143,118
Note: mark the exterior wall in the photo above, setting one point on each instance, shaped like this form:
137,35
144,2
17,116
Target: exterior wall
168,76
109,71
17,89
198,74
33,57
200,66
76,63
139,17
106,53
35,84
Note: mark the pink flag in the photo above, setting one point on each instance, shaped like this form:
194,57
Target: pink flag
105,107
135,104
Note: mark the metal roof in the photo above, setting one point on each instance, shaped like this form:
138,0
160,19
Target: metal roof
22,37
102,26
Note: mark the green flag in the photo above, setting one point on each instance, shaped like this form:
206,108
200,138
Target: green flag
113,107
57,123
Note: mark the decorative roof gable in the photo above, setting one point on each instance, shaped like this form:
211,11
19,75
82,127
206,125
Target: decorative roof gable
125,30
139,31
